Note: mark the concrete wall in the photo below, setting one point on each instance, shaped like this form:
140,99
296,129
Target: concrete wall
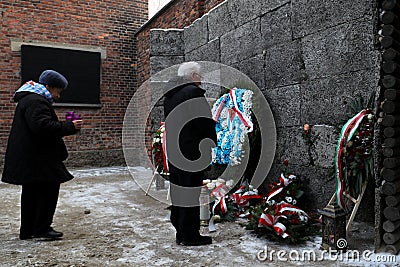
309,58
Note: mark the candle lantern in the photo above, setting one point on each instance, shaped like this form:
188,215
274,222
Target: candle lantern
333,227
204,206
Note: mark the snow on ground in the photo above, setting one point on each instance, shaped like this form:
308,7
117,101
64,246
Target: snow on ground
108,221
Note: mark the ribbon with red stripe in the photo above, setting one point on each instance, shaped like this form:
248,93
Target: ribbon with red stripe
220,191
283,182
164,147
246,121
269,220
288,209
220,107
220,202
346,134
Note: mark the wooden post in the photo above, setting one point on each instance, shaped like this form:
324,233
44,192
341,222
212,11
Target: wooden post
390,152
390,226
391,106
151,182
391,142
389,81
390,175
392,94
356,206
391,67
389,17
391,188
391,238
391,5
390,42
393,249
391,131
391,162
392,201
392,213
391,54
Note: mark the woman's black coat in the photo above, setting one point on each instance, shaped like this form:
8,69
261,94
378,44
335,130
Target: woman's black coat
35,148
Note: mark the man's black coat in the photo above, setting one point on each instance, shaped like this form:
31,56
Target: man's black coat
177,92
35,148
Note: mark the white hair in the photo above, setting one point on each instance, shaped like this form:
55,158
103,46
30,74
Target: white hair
188,68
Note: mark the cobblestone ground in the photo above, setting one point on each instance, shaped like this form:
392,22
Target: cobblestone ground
108,221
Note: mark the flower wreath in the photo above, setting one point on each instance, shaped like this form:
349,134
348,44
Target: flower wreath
232,113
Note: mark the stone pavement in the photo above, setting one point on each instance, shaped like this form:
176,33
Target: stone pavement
108,221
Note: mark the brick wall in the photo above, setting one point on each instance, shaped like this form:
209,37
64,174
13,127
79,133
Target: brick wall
107,24
176,14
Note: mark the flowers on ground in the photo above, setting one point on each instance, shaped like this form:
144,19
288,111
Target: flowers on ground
275,215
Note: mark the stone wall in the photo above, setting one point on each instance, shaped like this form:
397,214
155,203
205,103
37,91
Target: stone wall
309,58
105,25
176,14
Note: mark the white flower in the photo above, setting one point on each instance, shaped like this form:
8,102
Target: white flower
370,117
222,181
217,218
251,187
289,199
303,218
214,155
242,137
211,186
229,183
162,134
255,190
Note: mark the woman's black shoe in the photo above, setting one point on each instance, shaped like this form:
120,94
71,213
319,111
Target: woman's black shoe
51,234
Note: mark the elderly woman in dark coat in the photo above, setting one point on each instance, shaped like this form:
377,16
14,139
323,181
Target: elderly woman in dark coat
35,153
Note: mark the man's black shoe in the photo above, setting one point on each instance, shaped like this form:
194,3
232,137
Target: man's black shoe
198,241
51,234
25,237
178,239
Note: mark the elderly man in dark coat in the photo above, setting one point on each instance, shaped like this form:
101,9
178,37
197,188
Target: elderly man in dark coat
35,153
188,123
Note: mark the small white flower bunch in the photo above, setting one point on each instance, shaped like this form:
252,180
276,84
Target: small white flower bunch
303,218
289,199
252,189
212,184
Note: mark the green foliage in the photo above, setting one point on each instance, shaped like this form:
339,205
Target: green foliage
358,103
230,215
358,160
298,232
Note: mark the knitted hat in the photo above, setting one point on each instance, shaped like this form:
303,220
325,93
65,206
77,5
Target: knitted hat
53,78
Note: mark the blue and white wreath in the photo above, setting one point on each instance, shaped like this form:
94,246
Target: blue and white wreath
232,113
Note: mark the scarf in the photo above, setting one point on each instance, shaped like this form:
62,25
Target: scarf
36,88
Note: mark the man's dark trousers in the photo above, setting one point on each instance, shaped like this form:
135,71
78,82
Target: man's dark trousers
186,220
